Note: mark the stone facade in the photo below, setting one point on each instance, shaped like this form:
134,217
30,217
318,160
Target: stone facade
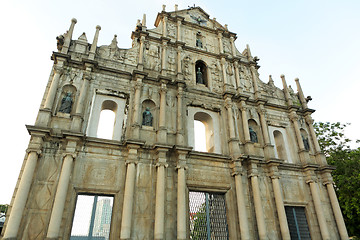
262,152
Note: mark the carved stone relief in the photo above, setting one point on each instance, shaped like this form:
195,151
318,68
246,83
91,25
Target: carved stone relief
171,29
171,60
226,45
187,67
246,76
152,60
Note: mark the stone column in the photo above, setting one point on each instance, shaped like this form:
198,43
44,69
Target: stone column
60,196
233,141
179,70
284,228
269,149
240,200
127,210
237,77
94,44
181,196
255,83
248,144
160,195
178,30
179,120
137,108
320,157
50,98
162,133
286,91
141,53
260,219
315,193
223,67
163,58
164,29
335,207
78,116
233,50
302,152
22,192
301,94
221,47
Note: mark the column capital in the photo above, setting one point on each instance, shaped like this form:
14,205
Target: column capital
159,164
293,116
58,69
309,119
130,161
179,166
73,155
37,151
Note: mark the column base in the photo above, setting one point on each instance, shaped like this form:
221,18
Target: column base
76,123
162,135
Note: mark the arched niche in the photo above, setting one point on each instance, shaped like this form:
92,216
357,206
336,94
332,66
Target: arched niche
280,145
102,102
67,89
151,106
107,118
256,128
201,73
305,139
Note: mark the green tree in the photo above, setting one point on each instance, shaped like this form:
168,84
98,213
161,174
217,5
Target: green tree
335,145
3,208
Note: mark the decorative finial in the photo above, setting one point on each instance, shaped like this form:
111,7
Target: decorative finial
143,23
176,7
163,7
98,27
226,27
74,20
282,76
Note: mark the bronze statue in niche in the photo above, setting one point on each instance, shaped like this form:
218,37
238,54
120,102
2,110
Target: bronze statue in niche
253,136
66,103
147,118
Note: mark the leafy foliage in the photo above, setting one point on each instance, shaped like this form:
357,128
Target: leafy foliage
336,147
3,208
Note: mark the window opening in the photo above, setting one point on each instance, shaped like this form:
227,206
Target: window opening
297,222
207,216
280,145
207,121
200,137
92,218
106,124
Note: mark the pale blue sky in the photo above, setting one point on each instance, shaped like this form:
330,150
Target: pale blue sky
317,41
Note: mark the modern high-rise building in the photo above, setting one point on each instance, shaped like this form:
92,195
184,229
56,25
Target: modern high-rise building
261,175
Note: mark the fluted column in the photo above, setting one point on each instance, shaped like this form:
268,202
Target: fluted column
162,132
260,219
336,207
233,50
223,68
240,200
160,195
141,50
164,29
284,228
320,157
22,194
221,47
94,43
179,69
301,94
60,197
248,144
50,98
286,91
179,114
127,209
315,193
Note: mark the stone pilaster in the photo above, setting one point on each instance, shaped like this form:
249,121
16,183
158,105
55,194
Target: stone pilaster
233,140
237,77
304,155
179,121
68,36
94,43
127,209
315,193
181,195
249,148
162,132
259,212
275,176
320,157
136,108
240,200
160,194
268,147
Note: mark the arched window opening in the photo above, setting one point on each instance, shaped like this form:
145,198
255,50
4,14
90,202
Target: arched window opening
206,120
280,145
200,136
305,139
201,73
107,120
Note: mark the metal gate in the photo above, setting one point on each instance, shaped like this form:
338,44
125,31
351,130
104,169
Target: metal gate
207,216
